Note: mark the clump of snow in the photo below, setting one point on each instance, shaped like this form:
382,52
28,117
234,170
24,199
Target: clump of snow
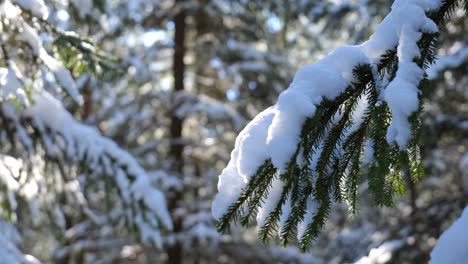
325,79
249,153
381,254
452,246
10,83
8,10
388,33
230,185
10,169
402,28
251,143
402,98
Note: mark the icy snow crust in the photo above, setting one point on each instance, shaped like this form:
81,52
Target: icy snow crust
274,133
452,246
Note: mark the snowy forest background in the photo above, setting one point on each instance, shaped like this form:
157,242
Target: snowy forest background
155,94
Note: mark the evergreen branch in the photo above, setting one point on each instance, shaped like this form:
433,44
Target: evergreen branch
259,194
233,211
303,190
270,222
317,224
332,164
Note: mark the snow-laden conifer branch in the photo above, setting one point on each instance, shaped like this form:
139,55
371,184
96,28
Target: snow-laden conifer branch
48,126
353,112
49,154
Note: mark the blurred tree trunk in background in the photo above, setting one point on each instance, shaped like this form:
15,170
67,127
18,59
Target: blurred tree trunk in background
177,146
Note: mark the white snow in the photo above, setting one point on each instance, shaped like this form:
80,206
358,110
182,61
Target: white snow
230,185
12,88
402,28
249,153
8,10
368,152
311,210
36,7
251,144
402,92
452,246
269,204
358,115
388,33
10,170
328,78
402,98
285,212
381,254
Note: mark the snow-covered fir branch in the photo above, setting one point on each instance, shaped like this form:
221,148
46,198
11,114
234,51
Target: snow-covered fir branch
294,158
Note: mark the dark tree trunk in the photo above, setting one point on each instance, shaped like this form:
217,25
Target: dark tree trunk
178,70
413,196
203,25
177,148
87,101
